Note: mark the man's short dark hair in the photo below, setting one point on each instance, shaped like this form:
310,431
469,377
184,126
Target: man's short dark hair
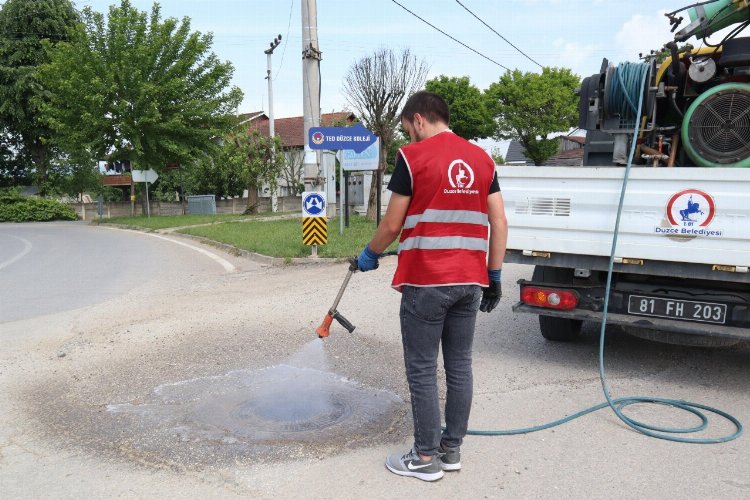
428,104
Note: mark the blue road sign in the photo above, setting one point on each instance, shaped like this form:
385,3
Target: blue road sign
313,204
357,138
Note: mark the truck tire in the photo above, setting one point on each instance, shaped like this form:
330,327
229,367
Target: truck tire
552,327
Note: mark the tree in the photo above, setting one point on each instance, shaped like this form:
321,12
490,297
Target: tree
470,115
400,139
376,87
292,170
530,106
134,87
497,156
24,25
251,161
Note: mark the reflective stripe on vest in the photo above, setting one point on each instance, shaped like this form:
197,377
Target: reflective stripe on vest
443,243
446,216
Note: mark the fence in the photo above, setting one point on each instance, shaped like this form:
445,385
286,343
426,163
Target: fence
87,211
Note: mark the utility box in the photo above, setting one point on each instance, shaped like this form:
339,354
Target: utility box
203,204
356,189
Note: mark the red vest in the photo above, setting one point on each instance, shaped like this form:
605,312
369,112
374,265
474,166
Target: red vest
445,235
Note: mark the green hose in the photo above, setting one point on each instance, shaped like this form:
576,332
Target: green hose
617,404
628,81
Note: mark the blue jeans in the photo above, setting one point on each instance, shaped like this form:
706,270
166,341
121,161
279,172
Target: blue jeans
431,316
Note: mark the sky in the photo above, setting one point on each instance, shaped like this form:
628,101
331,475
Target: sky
575,34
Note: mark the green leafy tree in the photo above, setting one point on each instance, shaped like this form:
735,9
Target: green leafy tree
217,173
400,139
528,107
79,179
251,161
24,27
470,115
13,171
497,156
133,86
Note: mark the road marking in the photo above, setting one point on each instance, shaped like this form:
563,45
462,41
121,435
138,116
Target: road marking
228,266
26,249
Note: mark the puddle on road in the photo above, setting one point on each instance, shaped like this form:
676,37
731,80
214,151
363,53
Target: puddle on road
281,404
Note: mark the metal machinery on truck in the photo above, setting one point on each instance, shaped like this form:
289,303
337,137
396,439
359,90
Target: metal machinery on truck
681,267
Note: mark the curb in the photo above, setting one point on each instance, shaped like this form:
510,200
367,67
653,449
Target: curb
232,250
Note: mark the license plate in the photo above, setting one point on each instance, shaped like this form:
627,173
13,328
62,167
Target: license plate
687,310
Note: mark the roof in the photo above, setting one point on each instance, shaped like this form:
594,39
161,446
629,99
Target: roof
116,180
516,156
569,158
292,130
578,139
248,117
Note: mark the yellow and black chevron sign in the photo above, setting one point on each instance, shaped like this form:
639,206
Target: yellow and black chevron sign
314,230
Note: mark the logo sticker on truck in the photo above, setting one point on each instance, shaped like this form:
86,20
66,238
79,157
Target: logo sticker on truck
690,213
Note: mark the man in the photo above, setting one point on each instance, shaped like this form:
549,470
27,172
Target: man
445,193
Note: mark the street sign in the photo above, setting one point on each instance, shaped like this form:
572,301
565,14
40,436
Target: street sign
357,138
314,231
145,176
313,204
366,160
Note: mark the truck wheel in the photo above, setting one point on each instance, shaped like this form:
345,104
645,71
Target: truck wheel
559,329
552,327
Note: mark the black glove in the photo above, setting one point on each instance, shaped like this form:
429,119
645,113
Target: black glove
491,296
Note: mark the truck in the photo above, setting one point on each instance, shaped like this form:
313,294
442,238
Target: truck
679,126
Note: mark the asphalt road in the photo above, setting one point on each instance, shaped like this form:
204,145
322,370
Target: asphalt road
50,268
150,392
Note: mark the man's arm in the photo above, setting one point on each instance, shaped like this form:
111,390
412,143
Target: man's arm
498,230
390,226
498,240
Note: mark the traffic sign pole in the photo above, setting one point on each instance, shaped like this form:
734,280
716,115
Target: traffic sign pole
148,203
341,197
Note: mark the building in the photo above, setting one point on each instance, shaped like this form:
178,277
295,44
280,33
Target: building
291,131
569,154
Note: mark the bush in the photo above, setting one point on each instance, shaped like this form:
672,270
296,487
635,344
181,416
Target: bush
17,208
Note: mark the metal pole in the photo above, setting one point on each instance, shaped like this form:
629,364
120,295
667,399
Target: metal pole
182,189
271,131
148,203
311,57
380,188
346,196
341,194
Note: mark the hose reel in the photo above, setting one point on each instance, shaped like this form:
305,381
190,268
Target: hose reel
622,88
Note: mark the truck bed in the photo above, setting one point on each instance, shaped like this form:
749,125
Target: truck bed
683,215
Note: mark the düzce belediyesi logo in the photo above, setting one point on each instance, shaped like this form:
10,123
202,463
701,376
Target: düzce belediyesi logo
690,213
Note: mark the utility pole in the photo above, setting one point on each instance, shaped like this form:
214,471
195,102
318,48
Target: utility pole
311,57
271,131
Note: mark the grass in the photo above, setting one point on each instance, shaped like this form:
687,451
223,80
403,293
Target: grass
170,221
283,238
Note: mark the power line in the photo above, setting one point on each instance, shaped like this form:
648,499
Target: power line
286,42
498,34
449,36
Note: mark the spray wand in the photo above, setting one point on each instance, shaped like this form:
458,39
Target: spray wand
324,330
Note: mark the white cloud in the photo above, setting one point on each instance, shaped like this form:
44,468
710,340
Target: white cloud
574,55
642,34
